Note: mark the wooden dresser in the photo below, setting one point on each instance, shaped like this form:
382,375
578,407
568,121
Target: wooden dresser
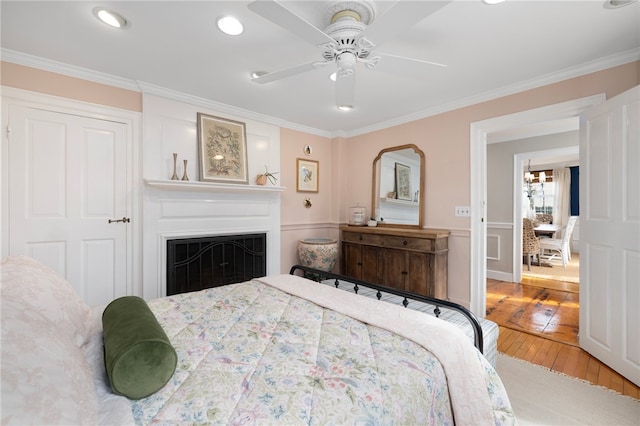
413,260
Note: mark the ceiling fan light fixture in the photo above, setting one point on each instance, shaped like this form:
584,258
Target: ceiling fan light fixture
230,25
111,18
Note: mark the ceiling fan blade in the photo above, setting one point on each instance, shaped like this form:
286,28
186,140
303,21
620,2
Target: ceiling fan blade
283,17
402,15
288,72
414,68
345,89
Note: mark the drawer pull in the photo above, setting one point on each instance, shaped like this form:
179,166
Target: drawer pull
404,272
360,237
359,263
404,243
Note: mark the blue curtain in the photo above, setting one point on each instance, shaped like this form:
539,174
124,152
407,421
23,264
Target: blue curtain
574,191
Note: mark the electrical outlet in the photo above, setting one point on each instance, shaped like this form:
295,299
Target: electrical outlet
463,211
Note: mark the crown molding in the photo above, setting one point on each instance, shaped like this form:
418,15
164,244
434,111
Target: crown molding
66,69
555,77
139,86
98,77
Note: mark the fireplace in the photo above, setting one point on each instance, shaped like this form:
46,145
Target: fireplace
204,262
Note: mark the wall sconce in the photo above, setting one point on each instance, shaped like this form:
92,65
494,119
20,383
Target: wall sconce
307,202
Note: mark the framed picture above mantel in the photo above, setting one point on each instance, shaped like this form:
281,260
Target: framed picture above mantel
222,150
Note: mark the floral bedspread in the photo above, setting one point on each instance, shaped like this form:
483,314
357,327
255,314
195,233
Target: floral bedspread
250,353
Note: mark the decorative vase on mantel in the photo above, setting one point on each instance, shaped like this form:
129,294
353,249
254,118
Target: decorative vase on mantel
261,180
175,171
184,176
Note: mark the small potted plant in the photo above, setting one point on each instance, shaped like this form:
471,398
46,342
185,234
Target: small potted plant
261,179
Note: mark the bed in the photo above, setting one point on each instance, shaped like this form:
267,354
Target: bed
280,349
482,332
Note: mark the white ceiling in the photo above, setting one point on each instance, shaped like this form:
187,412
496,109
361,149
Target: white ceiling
490,51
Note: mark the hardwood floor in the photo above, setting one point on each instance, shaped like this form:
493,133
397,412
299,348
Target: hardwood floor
544,311
540,325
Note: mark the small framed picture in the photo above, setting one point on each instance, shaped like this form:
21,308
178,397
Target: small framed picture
222,150
403,182
307,176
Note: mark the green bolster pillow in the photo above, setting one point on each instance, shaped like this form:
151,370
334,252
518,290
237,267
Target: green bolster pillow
138,355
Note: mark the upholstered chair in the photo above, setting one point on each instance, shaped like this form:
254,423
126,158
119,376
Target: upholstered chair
530,243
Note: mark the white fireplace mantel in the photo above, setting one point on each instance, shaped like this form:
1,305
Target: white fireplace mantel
179,185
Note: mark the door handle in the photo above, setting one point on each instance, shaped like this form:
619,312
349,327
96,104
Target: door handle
123,220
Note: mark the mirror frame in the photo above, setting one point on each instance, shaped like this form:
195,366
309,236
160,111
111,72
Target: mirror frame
374,187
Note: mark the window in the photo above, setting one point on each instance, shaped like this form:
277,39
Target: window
540,196
543,197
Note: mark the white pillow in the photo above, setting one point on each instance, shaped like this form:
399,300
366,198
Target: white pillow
36,286
45,375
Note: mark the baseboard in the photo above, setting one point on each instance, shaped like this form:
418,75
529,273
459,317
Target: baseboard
500,276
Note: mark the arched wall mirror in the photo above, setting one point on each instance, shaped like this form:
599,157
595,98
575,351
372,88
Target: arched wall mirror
398,186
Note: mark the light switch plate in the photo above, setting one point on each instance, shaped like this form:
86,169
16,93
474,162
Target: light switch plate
463,211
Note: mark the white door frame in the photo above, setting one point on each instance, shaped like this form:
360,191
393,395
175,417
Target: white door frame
478,150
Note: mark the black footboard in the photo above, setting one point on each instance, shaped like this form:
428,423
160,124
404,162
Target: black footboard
318,275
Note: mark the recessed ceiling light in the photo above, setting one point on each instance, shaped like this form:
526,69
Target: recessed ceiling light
111,18
614,4
256,74
345,107
492,1
230,25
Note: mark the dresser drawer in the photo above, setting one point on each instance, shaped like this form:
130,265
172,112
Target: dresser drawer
362,238
406,259
407,243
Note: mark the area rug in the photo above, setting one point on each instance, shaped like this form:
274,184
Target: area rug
555,271
540,396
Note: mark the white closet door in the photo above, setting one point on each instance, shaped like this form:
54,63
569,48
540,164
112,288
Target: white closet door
610,233
67,179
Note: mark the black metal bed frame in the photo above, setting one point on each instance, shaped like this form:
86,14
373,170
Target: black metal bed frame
318,275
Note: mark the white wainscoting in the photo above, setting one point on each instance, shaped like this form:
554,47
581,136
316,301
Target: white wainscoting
500,251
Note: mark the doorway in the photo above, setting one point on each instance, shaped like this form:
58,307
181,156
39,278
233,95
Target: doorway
548,159
530,298
480,133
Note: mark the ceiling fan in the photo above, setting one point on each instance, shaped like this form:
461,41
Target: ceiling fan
349,37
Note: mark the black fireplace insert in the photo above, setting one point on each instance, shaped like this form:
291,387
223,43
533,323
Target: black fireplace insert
204,262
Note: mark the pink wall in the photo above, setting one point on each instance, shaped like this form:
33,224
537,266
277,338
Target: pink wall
50,83
445,140
292,143
299,222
